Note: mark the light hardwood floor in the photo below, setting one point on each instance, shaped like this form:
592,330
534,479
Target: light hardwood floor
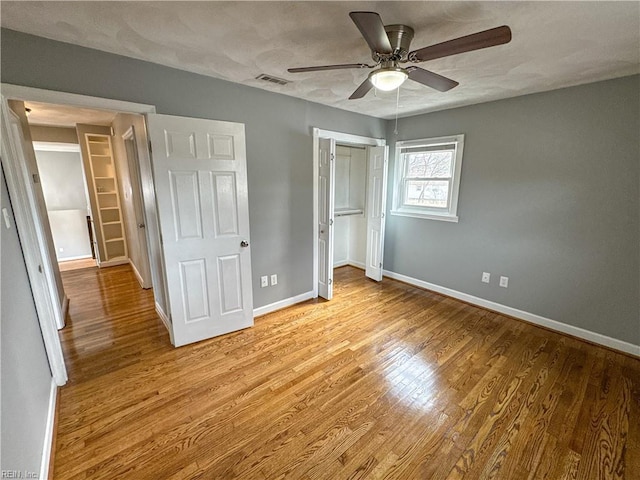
76,264
384,381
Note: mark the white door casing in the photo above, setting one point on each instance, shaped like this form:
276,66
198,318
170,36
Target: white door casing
326,186
377,164
200,175
32,234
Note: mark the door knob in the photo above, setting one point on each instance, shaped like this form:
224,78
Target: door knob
141,225
244,244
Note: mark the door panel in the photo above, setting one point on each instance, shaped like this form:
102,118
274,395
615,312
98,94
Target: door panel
223,187
230,276
195,290
327,148
201,183
376,205
185,196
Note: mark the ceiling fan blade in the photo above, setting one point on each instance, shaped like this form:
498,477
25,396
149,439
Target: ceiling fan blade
430,79
475,41
372,29
362,90
329,67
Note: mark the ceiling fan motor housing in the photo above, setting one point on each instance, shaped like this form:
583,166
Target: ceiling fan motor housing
400,37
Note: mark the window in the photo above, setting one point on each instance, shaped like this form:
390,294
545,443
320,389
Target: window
427,178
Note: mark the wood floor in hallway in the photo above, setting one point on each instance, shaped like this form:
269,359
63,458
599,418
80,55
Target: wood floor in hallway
384,381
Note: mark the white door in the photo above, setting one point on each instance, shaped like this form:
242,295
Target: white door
376,204
326,187
200,175
143,268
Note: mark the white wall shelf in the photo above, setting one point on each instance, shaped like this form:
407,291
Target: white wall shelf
109,224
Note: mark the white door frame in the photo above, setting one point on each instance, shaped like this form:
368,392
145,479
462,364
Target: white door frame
133,164
67,147
338,137
28,224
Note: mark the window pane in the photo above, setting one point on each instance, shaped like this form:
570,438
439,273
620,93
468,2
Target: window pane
432,194
429,164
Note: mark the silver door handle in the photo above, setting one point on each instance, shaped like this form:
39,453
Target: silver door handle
141,225
244,244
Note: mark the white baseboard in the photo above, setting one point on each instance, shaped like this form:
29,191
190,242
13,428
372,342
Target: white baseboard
163,316
63,311
594,337
356,264
136,273
113,263
352,263
69,259
48,432
287,302
165,319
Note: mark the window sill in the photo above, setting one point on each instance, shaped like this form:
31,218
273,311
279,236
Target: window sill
443,217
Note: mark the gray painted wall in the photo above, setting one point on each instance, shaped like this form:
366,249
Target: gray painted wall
278,131
26,378
543,199
549,197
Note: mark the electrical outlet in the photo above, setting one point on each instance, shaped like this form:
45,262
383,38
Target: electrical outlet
486,277
274,279
504,282
264,281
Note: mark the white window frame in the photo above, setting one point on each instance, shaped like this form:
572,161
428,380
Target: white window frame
399,208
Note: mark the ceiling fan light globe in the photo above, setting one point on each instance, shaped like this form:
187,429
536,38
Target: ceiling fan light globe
387,79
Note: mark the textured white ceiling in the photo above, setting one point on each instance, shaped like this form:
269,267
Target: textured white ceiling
555,44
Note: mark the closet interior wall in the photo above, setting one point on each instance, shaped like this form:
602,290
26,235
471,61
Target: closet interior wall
350,223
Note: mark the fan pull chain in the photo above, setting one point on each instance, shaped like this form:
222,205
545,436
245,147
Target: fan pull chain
397,108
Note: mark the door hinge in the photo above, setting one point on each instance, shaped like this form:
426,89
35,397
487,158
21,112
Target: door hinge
330,281
380,264
331,221
150,149
36,178
332,157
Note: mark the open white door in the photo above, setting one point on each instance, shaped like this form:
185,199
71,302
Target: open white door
200,175
143,268
376,204
326,185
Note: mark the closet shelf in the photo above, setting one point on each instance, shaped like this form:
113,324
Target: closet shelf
341,212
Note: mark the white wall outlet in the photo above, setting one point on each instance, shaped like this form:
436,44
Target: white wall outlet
274,279
504,282
264,281
486,277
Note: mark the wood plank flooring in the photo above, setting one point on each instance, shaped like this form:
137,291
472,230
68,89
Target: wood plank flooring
67,265
384,381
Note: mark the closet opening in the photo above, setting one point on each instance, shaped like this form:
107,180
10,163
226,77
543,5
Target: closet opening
350,222
349,206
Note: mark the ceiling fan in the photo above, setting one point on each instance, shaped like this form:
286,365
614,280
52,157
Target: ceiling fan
389,46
